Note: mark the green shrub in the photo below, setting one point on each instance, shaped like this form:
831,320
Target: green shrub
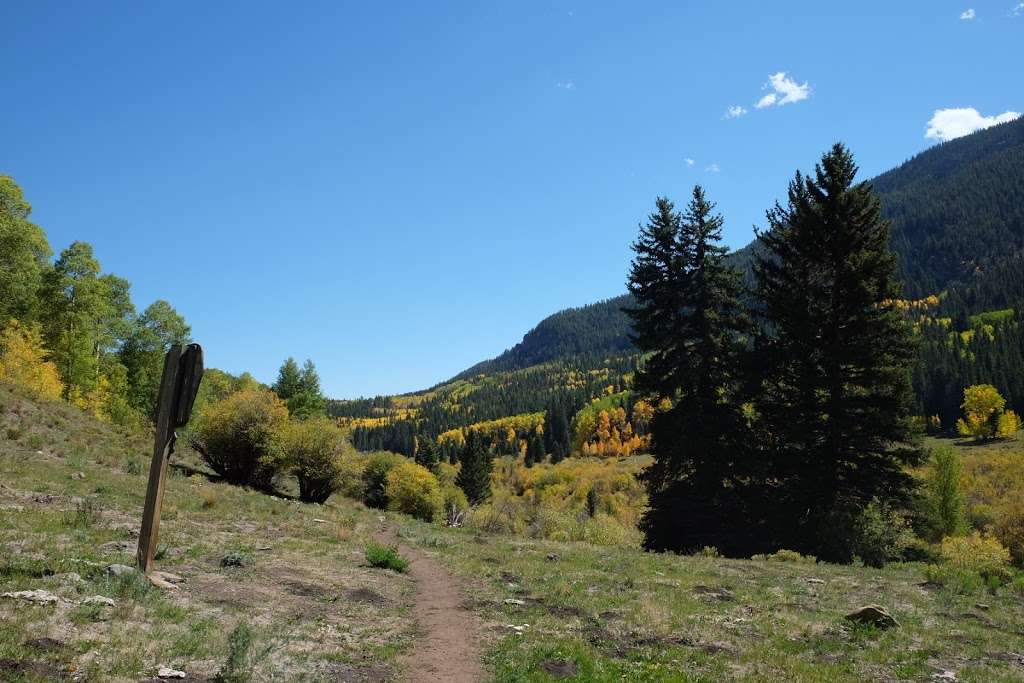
375,478
881,534
786,556
412,489
312,450
385,557
234,436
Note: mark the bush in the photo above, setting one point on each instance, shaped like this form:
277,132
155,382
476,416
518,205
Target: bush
982,555
1008,527
412,489
385,557
23,362
455,503
1008,425
786,556
881,534
234,436
312,450
375,477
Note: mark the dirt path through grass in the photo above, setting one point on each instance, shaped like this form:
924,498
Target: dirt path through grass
446,648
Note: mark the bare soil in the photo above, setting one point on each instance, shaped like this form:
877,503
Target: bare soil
446,648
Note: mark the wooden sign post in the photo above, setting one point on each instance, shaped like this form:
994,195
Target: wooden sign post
183,371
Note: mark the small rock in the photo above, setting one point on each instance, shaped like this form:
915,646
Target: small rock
39,597
514,601
518,630
98,600
982,606
78,475
553,557
815,581
874,615
559,668
944,676
167,672
119,569
319,521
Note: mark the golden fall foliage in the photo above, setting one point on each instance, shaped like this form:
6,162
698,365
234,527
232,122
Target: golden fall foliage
24,362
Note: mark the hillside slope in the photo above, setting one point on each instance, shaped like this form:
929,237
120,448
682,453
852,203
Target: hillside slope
957,212
70,499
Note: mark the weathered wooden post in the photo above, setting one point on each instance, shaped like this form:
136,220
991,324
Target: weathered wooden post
183,370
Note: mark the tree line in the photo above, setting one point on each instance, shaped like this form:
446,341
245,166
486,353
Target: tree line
71,331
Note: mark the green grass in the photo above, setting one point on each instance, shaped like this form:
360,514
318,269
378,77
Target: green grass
612,614
385,557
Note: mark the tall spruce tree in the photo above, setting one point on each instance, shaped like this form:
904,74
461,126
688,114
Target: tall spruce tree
689,320
837,352
474,477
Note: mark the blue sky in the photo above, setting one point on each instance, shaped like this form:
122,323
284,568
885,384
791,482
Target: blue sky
400,190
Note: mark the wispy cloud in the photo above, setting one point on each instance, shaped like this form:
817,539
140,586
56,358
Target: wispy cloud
949,124
566,85
713,168
735,111
785,91
968,14
1017,10
689,161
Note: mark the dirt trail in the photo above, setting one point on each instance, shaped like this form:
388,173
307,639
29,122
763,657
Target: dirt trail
446,649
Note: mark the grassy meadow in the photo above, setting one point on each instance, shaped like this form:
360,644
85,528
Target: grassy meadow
278,590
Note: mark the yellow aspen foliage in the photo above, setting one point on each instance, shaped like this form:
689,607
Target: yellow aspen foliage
23,362
982,406
1009,425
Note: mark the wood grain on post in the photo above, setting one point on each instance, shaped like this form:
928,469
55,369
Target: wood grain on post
162,446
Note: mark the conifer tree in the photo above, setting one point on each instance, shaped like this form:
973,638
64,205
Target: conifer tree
838,355
689,320
534,450
289,380
474,477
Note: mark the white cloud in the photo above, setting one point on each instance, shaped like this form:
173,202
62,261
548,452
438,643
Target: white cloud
1017,10
790,90
689,161
735,111
949,124
713,168
784,90
566,85
968,15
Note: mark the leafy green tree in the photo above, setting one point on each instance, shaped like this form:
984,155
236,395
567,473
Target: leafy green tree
474,477
24,256
945,499
838,354
142,353
76,302
689,320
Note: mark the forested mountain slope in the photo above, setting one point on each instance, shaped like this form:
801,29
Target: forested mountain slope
957,212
